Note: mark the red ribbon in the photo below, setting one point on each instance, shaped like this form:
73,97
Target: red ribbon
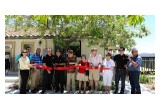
68,68
62,68
38,66
43,67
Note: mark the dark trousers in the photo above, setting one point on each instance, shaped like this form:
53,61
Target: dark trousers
24,78
29,78
47,80
120,74
59,80
134,81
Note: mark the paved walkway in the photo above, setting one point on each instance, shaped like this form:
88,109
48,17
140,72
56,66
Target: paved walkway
12,77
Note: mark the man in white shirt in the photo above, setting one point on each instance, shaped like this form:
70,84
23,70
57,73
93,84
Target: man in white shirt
95,61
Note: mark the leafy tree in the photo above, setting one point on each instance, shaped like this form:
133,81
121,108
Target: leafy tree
104,30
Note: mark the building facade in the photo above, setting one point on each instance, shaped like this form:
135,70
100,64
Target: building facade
14,46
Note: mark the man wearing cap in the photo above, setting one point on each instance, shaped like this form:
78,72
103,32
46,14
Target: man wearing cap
134,71
48,61
59,61
121,61
95,61
71,61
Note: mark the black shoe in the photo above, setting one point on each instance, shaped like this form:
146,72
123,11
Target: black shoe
27,90
115,92
36,89
49,88
33,91
133,92
62,91
56,91
22,92
43,91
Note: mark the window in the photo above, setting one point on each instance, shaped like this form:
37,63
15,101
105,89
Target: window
75,46
28,44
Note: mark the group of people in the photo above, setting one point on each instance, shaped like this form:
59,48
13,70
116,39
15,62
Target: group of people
96,67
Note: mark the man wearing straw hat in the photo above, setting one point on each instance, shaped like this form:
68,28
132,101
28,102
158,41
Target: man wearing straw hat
95,61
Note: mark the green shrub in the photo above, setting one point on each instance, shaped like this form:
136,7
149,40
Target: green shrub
144,79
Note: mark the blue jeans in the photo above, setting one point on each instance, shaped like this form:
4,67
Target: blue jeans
134,81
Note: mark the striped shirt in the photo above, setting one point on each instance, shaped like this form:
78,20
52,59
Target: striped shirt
37,59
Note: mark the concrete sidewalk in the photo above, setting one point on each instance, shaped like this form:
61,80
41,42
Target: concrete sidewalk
13,77
144,90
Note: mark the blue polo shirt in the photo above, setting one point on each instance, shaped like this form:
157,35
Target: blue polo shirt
37,59
138,60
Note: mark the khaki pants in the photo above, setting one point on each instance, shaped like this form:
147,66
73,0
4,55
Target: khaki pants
35,78
82,77
94,74
71,79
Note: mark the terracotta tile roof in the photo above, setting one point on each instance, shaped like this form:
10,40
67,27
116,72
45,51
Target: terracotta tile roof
19,33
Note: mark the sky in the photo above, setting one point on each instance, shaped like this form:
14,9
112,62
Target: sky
147,44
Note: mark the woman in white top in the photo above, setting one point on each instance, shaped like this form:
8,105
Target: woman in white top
107,74
25,66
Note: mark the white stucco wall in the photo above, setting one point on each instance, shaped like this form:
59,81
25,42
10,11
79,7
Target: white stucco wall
48,43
